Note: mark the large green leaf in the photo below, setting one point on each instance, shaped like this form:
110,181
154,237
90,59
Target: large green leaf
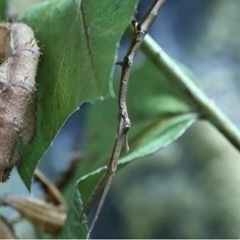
159,112
3,7
78,40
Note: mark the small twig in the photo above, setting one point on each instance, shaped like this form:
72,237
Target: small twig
52,193
205,106
124,124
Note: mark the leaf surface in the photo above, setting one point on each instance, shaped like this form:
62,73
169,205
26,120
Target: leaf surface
3,7
78,40
159,113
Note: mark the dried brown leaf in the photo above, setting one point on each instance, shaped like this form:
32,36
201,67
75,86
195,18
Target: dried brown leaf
6,230
19,56
45,216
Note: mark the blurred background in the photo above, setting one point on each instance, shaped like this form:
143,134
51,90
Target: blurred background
191,188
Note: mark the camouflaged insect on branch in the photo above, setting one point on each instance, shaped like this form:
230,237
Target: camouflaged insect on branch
19,56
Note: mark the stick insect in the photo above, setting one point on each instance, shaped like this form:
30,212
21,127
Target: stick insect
139,31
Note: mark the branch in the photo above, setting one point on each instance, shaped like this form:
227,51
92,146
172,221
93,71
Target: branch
206,106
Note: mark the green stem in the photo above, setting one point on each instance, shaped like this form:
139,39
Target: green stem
205,106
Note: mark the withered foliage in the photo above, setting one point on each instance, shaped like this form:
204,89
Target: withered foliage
19,56
6,229
47,215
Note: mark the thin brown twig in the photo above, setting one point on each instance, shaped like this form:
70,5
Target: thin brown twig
124,124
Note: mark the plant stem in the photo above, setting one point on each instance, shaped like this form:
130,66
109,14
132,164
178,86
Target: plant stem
204,105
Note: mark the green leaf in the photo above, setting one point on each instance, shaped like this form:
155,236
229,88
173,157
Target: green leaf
159,113
78,40
3,8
